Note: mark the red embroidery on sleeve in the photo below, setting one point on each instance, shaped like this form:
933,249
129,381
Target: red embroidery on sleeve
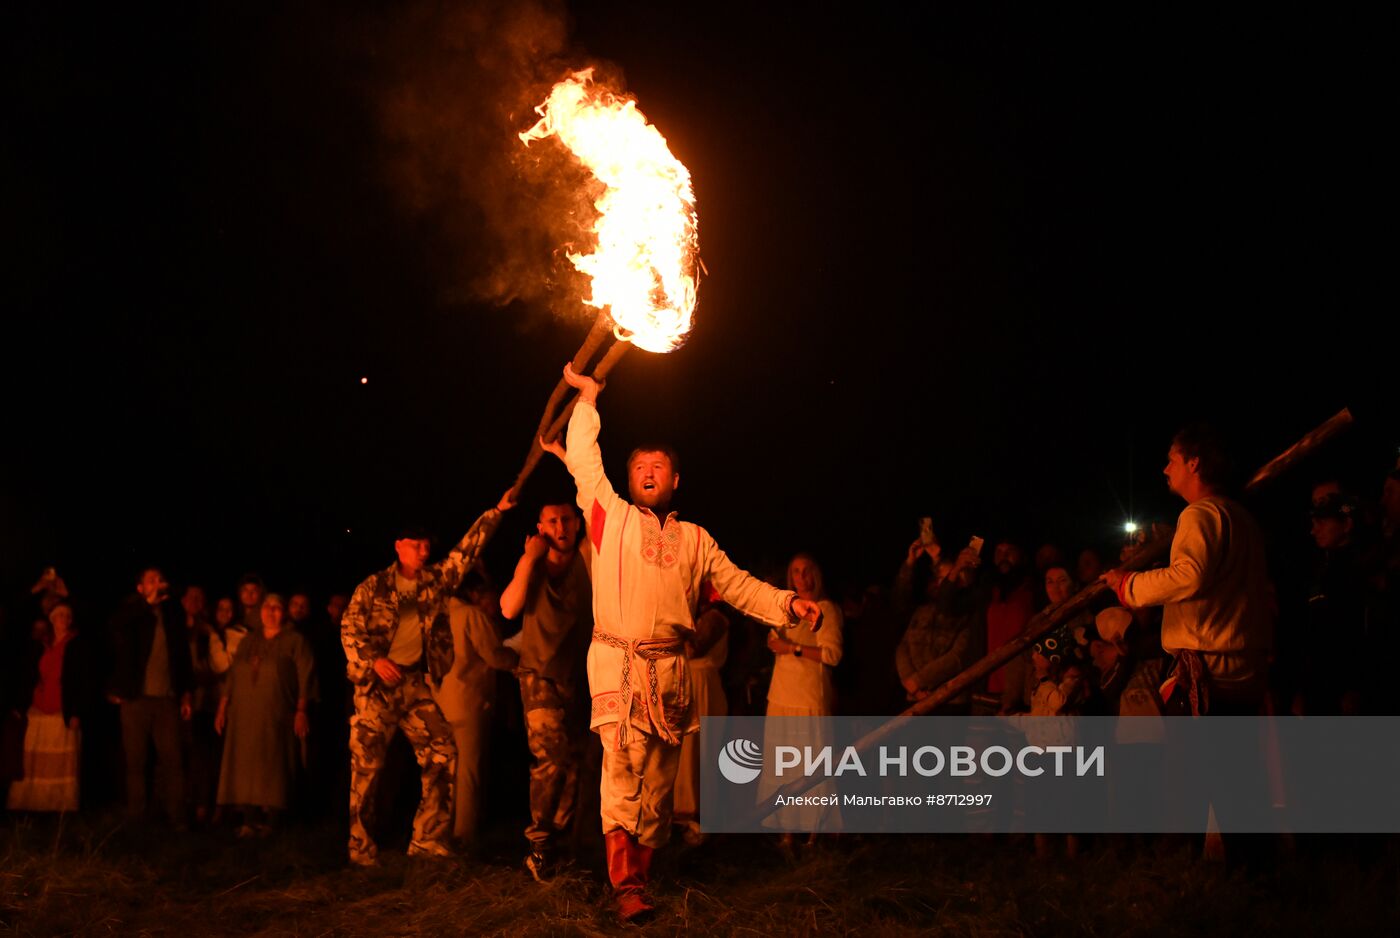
1122,591
595,525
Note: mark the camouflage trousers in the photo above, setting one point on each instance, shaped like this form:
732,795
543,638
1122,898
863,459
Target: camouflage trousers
410,709
554,774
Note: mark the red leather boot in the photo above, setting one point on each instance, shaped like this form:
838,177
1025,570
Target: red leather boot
628,865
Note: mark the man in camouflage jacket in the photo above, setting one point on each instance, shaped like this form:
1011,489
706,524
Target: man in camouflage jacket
392,651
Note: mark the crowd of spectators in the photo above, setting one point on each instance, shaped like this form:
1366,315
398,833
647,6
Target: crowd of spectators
210,715
234,713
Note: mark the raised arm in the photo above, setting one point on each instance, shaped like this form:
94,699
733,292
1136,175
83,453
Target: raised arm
462,557
582,456
902,597
518,589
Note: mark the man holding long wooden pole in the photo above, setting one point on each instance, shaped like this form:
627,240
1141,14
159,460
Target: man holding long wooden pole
1216,616
1141,559
1218,622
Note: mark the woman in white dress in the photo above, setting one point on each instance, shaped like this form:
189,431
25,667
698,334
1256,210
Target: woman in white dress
802,687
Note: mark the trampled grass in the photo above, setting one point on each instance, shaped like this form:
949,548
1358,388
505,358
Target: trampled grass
100,876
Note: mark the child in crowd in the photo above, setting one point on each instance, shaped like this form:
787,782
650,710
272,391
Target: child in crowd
1061,690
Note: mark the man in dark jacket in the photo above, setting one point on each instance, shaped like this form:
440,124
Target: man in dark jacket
152,680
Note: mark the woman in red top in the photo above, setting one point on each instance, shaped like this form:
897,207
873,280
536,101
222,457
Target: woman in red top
52,736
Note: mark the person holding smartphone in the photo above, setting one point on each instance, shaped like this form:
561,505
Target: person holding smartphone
937,643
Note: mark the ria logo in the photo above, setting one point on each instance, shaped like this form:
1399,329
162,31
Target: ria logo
741,761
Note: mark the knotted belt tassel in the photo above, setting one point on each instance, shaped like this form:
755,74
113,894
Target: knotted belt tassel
649,650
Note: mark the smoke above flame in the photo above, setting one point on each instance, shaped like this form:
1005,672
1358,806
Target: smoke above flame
644,266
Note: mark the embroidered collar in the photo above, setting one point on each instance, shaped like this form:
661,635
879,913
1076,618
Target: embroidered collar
660,543
672,516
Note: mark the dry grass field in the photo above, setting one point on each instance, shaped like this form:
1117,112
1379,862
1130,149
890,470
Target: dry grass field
98,876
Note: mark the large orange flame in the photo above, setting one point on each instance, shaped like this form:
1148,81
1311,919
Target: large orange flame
644,267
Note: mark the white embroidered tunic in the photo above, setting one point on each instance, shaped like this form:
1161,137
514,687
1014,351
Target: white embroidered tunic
647,578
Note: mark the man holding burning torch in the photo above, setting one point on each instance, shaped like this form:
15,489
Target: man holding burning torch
396,642
648,571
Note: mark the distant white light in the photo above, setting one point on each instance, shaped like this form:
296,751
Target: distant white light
364,381
1130,527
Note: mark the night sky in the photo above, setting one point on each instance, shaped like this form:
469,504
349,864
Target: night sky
976,264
